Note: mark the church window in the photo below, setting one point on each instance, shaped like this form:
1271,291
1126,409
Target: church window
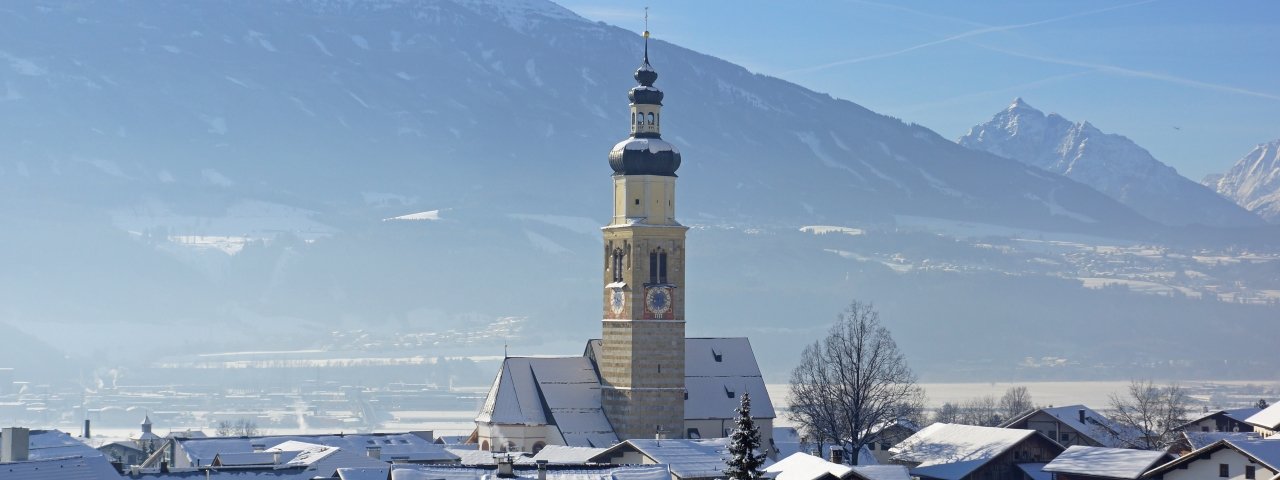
617,265
658,267
650,118
484,445
637,201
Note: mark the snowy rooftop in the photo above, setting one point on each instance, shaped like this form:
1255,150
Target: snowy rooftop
60,468
881,472
717,372
802,466
528,389
686,458
1266,452
786,440
1237,414
441,472
366,473
1105,462
563,455
1268,418
950,451
1096,426
402,446
1198,440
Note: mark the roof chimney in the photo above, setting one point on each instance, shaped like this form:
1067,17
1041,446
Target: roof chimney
86,429
506,467
542,469
275,457
1081,415
837,455
15,443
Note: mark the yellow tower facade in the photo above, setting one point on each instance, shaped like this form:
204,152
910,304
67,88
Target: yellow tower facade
643,344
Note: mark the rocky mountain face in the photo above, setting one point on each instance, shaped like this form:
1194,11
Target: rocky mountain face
1254,181
1110,163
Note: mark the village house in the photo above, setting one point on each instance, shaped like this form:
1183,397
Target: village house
884,436
50,454
1229,459
946,451
1233,420
1077,425
1266,422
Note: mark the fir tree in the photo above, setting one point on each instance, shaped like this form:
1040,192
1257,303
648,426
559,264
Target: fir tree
744,463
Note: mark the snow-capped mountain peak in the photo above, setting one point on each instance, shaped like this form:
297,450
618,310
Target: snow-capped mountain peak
1109,163
1254,181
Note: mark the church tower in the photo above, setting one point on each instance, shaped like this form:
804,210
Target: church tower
643,344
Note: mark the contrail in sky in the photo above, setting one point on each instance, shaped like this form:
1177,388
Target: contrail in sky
1136,73
963,35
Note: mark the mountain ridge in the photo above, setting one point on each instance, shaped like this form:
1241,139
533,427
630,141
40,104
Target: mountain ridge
1110,163
1253,181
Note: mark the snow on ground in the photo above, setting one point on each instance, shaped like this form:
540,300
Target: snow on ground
427,215
825,229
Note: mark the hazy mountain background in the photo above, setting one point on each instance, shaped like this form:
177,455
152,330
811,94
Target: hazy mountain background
1110,163
1254,181
191,178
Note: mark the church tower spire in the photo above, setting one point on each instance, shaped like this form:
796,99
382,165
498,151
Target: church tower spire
642,343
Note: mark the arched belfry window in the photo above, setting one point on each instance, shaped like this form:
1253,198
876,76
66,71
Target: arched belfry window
617,265
658,266
650,118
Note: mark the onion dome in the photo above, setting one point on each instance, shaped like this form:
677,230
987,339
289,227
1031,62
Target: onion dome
645,152
644,156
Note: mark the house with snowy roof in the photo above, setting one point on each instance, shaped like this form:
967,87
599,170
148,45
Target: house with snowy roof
884,436
1266,422
1232,459
1077,425
686,458
1232,420
50,454
946,451
802,466
530,472
1086,463
642,378
1188,441
179,454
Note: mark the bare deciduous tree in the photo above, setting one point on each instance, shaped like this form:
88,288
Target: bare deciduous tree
947,413
243,427
850,381
1016,400
981,411
1150,414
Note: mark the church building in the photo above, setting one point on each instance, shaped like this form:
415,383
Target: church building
643,378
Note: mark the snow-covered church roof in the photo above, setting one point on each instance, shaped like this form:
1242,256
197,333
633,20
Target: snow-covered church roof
559,391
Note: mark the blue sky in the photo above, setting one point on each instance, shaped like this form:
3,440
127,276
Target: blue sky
1195,82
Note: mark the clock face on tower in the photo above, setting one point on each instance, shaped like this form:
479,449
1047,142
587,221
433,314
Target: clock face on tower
657,301
617,301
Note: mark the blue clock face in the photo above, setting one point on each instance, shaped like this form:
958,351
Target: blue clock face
616,301
658,300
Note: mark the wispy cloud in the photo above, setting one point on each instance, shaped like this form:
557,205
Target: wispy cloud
1129,72
963,35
